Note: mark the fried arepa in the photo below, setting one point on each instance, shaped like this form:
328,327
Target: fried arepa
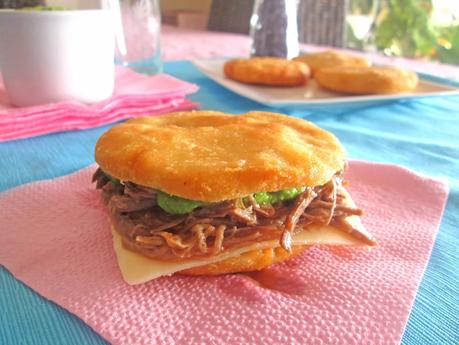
254,260
367,80
330,58
267,71
212,156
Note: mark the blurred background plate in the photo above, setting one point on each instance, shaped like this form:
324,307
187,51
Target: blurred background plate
313,95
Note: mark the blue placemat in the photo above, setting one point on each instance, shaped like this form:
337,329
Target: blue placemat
422,135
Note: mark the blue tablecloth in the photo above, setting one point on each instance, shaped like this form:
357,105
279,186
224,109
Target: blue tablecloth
422,135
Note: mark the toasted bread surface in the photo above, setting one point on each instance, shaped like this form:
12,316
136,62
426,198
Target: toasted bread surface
330,58
254,260
267,71
367,80
213,156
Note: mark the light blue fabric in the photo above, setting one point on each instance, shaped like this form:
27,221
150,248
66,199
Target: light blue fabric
422,135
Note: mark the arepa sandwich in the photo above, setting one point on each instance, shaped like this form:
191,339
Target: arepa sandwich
207,193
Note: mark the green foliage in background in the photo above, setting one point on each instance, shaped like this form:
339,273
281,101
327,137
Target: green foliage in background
363,6
405,28
448,48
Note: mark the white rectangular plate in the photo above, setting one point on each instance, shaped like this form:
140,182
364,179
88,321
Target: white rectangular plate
311,93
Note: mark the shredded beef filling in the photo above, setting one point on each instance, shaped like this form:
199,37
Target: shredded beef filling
210,229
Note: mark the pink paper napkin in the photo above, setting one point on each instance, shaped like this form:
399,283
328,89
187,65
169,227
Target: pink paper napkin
135,95
325,296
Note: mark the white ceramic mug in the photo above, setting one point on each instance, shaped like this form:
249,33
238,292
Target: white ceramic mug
52,56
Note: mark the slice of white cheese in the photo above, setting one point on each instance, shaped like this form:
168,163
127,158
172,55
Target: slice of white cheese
137,269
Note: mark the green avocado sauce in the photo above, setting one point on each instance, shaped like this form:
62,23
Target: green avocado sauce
113,180
265,198
176,205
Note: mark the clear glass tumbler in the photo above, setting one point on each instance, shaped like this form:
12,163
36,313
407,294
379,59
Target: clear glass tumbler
137,30
274,28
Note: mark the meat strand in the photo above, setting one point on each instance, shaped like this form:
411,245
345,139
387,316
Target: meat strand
301,203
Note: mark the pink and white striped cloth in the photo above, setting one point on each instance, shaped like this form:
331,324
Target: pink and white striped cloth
135,95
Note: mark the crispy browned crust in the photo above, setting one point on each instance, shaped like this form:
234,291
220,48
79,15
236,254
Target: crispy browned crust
367,80
254,260
331,58
212,156
267,71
